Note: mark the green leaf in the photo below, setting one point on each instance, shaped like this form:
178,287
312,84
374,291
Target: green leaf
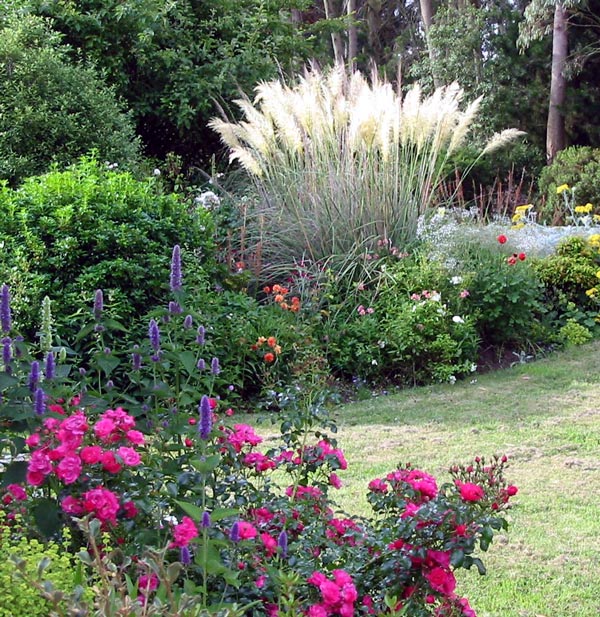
46,516
479,565
15,473
193,511
188,361
108,364
7,380
206,465
220,513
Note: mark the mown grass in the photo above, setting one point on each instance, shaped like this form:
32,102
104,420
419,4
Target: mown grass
546,417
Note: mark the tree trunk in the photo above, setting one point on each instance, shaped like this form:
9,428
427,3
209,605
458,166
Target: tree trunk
427,17
352,35
555,128
336,40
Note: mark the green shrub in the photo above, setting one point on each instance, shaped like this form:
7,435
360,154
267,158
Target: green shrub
52,110
413,328
67,233
18,597
569,277
573,333
505,294
579,168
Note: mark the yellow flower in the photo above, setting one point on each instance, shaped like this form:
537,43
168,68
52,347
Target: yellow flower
523,208
517,216
591,292
596,218
518,226
598,274
584,209
560,189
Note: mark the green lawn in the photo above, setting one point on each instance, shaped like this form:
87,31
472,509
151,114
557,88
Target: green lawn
546,417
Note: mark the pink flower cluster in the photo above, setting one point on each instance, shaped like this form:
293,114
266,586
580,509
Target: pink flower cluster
184,533
337,596
240,436
64,447
362,311
414,479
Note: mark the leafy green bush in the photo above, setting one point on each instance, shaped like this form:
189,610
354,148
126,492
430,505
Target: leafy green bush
413,329
505,294
573,333
579,168
569,277
18,597
52,110
68,233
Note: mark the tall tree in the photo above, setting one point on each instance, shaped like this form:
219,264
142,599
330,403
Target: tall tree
556,18
556,138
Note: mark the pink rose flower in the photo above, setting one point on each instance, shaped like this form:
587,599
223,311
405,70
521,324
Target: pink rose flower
471,492
184,533
247,530
130,457
69,469
441,580
91,455
102,503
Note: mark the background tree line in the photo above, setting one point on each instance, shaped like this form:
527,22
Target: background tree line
141,78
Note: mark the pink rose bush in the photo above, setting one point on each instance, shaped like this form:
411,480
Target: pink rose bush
232,523
65,454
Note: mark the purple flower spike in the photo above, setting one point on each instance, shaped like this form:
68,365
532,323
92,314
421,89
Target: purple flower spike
201,365
234,534
5,318
154,335
175,308
215,369
98,303
188,322
6,353
205,417
34,375
49,367
205,524
176,280
184,556
200,337
136,361
39,402
282,542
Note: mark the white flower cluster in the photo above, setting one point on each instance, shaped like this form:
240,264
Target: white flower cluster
208,200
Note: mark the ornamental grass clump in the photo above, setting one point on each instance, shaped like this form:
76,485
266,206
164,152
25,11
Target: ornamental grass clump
342,162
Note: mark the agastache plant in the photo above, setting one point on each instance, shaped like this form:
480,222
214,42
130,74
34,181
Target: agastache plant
176,278
5,316
205,417
46,326
98,303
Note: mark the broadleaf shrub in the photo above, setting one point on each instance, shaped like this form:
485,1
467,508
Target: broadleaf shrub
52,109
570,282
579,168
67,233
410,326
